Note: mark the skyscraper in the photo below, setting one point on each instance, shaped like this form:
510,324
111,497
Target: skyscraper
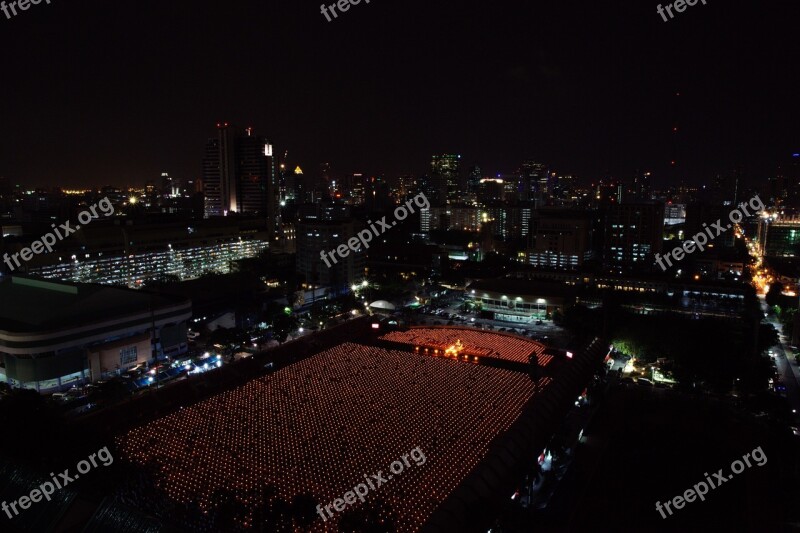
445,173
239,175
474,182
219,183
641,188
534,179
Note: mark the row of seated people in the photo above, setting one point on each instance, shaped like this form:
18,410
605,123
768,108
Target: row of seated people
319,426
482,343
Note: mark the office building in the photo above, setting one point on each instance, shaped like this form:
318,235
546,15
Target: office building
779,237
535,179
560,239
315,236
239,175
634,233
445,173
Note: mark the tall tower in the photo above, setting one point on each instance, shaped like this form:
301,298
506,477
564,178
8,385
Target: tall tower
445,173
474,183
239,175
219,175
535,181
255,173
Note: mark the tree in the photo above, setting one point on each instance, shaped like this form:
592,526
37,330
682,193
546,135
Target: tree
304,510
228,512
376,516
281,320
774,295
767,337
228,337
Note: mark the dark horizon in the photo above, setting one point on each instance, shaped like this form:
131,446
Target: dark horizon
97,96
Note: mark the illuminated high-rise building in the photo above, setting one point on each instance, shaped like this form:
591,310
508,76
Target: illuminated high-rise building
779,236
445,173
535,181
474,182
358,193
318,235
219,183
641,189
239,175
634,233
560,238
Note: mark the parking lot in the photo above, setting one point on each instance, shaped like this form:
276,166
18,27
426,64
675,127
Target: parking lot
451,312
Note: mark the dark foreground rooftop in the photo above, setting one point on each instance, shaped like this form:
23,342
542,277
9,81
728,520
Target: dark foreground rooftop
28,304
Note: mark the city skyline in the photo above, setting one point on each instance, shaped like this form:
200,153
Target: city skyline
589,94
252,253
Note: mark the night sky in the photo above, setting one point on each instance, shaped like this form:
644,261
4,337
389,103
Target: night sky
98,93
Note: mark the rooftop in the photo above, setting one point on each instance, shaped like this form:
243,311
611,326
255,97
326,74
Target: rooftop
28,304
522,287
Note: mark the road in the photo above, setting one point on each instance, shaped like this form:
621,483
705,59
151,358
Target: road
790,373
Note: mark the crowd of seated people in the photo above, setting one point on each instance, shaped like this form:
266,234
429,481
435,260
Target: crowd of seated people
319,426
500,346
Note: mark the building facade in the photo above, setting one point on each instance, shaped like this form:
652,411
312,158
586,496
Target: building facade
57,335
316,236
634,234
560,239
240,176
779,237
129,254
445,174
